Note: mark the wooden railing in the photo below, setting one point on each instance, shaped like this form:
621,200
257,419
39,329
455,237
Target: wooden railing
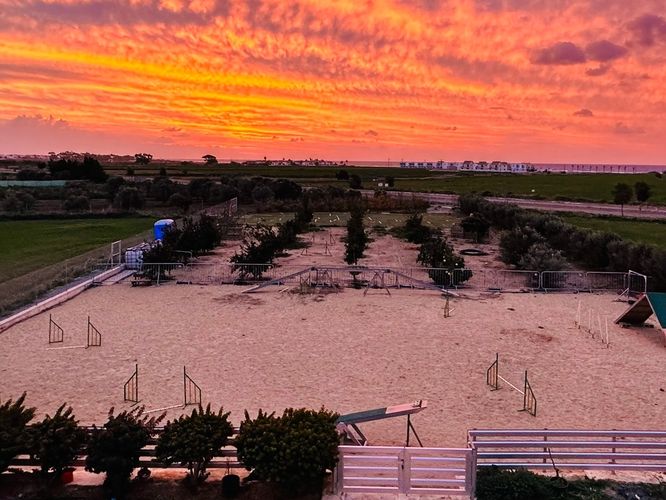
568,449
400,470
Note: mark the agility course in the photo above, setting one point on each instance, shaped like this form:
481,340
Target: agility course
351,350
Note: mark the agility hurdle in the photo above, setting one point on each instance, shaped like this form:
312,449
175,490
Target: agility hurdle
191,394
131,387
493,377
56,334
94,336
591,321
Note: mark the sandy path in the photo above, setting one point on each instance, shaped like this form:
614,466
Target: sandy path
349,352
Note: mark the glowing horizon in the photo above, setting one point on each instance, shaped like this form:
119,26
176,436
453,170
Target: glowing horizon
546,81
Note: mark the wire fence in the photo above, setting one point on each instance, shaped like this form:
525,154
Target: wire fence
479,279
28,287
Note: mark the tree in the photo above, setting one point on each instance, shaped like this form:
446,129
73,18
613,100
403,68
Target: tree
55,442
115,448
192,441
129,199
355,182
294,450
209,159
622,194
643,192
92,169
357,240
143,158
342,175
180,201
14,418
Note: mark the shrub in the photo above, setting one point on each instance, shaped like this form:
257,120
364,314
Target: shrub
355,182
357,240
502,484
76,203
14,417
180,201
56,441
262,194
414,230
542,257
294,450
193,441
128,199
476,227
115,449
438,256
514,244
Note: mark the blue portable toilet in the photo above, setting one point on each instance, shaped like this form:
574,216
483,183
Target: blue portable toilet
161,227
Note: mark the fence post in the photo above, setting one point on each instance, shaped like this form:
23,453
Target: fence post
405,471
339,473
470,475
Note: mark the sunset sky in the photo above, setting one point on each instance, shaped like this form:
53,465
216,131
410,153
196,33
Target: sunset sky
516,80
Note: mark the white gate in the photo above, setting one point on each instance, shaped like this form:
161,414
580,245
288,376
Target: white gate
388,469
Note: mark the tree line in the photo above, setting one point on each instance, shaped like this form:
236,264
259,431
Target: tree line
556,239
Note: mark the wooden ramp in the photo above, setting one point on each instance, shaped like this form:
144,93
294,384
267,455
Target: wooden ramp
647,305
637,313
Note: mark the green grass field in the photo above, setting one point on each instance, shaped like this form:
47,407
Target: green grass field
32,244
640,231
586,187
592,187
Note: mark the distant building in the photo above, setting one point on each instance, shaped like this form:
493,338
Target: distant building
470,166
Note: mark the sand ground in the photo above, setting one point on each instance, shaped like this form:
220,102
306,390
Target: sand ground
346,351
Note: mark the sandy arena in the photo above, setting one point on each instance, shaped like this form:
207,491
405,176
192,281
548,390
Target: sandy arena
345,351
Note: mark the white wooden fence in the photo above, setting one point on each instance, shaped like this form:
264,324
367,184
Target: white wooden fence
568,449
387,469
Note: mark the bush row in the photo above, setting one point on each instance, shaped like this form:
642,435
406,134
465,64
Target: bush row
294,450
594,250
435,252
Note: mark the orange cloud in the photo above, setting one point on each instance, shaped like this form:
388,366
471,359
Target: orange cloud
247,78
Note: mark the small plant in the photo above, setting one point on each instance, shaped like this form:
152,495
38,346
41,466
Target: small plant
294,450
55,442
193,441
115,449
14,418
